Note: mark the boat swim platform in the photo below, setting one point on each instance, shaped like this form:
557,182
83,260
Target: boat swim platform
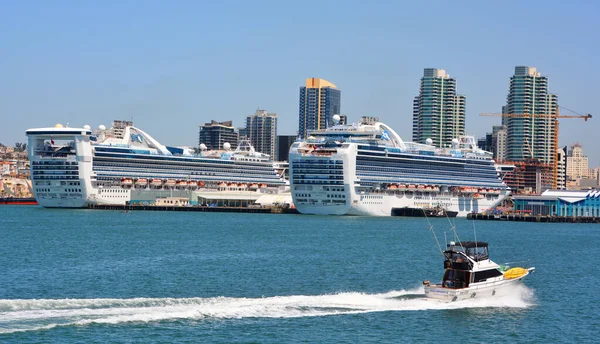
136,207
535,218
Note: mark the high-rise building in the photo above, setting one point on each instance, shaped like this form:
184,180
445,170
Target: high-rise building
499,143
485,142
594,173
283,146
319,101
243,133
438,112
577,163
215,134
530,137
261,130
561,179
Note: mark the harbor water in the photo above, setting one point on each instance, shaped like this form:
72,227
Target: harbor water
95,276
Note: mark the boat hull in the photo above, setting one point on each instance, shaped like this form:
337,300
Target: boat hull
502,287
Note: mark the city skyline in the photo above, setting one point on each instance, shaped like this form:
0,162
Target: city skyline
172,67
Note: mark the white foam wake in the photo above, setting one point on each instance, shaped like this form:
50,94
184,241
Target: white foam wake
32,315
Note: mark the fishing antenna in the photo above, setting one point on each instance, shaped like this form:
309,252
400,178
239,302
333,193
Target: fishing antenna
453,227
475,234
433,232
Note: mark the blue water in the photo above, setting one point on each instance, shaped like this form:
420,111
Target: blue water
94,276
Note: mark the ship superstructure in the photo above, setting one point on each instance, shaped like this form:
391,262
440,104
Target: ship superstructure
367,169
75,167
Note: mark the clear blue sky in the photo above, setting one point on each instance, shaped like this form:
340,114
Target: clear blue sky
173,65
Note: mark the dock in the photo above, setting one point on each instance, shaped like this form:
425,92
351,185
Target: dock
139,207
535,218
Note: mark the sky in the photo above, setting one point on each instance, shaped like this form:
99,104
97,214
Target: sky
171,66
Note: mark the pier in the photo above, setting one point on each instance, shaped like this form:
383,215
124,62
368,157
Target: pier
257,210
534,218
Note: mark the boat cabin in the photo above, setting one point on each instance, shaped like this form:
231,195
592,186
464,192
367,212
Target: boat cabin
461,264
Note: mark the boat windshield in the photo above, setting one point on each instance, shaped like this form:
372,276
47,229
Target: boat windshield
477,253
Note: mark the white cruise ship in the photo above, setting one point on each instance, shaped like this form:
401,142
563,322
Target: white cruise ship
366,169
77,167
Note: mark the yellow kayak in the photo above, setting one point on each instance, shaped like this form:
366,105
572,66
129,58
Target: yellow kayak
515,273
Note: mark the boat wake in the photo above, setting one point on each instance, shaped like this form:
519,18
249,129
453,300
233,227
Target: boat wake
35,315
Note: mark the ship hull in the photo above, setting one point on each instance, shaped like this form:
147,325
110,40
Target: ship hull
382,205
19,201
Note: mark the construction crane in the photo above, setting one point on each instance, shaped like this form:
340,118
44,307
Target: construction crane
555,117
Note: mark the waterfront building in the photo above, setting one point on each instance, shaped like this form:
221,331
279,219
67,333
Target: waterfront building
577,163
530,137
561,178
560,203
6,150
284,142
214,134
5,167
261,130
438,112
319,101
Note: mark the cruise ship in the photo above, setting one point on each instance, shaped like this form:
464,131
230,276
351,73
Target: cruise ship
78,167
367,169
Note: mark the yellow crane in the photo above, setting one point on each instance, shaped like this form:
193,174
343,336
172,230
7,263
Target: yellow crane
551,116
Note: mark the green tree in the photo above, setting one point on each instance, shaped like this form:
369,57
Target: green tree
20,147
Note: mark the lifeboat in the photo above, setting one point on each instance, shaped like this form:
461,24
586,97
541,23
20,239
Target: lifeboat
170,183
182,183
478,196
411,187
467,189
262,186
222,184
242,185
231,184
421,187
126,182
201,184
253,186
141,182
435,189
393,186
156,182
191,183
402,187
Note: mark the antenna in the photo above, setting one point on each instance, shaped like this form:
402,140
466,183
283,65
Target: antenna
453,227
475,235
433,232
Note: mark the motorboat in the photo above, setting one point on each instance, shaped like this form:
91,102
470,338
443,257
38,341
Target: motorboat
470,273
